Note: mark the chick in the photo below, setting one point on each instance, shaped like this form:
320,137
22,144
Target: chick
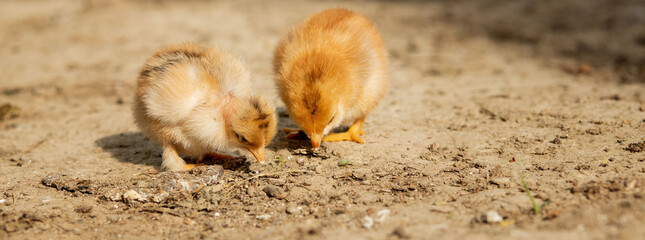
196,100
331,70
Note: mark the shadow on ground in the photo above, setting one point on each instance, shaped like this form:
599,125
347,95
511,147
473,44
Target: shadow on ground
131,147
135,148
605,33
599,33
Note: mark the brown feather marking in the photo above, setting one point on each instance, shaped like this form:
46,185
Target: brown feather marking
256,104
262,116
311,99
145,73
165,65
314,74
186,53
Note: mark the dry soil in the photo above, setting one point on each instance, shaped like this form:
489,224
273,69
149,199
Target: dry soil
484,94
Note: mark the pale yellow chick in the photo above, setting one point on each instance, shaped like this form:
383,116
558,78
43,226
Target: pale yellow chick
196,100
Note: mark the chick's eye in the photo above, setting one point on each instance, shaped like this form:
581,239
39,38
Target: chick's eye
241,138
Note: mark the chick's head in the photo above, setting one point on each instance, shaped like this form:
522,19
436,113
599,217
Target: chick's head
316,108
251,124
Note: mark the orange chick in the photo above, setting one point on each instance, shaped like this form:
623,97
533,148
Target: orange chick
331,70
196,100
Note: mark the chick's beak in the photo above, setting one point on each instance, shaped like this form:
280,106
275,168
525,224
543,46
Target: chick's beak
258,153
315,140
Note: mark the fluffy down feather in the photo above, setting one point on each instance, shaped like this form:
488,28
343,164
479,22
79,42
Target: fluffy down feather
193,99
331,69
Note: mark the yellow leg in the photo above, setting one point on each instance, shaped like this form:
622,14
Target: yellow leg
293,133
353,133
191,166
290,130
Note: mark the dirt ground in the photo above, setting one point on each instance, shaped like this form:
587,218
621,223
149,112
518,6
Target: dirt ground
484,94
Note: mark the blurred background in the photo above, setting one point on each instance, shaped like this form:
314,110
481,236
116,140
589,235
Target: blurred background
100,40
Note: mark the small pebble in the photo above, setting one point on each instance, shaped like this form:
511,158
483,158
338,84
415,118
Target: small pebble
502,182
381,215
493,217
293,210
113,218
131,195
301,161
401,232
367,222
273,191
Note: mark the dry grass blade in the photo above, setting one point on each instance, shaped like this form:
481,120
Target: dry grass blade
536,208
230,187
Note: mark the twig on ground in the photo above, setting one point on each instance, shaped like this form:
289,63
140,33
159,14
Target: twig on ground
231,186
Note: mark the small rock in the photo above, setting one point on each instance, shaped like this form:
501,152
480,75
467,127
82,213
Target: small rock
382,215
493,217
552,215
300,151
501,182
160,197
113,218
276,181
301,160
12,227
9,111
263,217
460,165
132,195
401,232
51,180
636,147
359,175
114,195
142,184
594,131
83,209
292,210
367,222
273,191
46,199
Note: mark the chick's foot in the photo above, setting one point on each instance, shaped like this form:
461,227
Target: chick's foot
293,133
191,166
353,134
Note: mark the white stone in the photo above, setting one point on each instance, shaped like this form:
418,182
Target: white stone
131,195
493,217
367,222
